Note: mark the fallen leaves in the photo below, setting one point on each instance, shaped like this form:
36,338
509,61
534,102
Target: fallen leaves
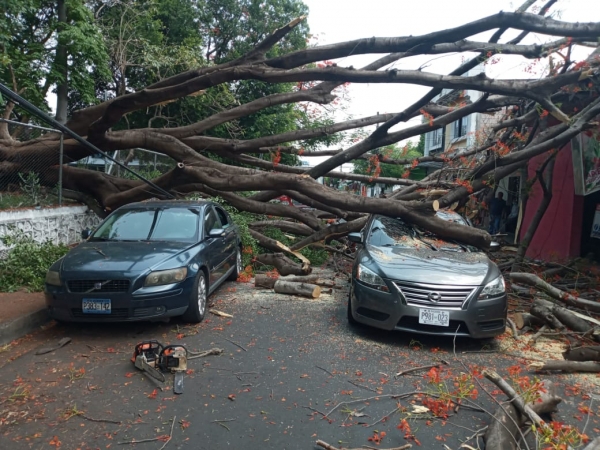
153,394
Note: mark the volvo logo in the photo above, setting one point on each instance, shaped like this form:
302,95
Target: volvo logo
434,297
97,285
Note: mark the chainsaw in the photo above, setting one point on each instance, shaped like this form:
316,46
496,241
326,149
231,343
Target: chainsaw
154,359
174,358
146,356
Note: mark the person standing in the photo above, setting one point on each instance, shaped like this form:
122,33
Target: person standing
497,207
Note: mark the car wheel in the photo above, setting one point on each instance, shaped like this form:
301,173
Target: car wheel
197,307
351,320
238,266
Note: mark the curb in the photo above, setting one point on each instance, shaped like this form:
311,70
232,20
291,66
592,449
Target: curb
23,325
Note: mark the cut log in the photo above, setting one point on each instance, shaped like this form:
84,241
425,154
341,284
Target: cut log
594,445
570,320
313,279
284,265
523,320
303,289
265,281
545,314
503,431
567,366
569,299
588,353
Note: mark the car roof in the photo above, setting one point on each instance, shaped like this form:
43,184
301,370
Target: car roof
168,204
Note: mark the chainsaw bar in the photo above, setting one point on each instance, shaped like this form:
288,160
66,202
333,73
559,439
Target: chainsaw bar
142,364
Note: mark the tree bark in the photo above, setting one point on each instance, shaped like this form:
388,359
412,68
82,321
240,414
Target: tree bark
61,65
523,320
303,289
284,266
568,366
553,292
588,353
264,281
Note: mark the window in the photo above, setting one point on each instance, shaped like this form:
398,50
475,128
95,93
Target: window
211,220
176,224
434,139
223,217
460,127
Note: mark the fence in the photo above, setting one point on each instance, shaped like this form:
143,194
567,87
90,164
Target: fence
29,173
23,187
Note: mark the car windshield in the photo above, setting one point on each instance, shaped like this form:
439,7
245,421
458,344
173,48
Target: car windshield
153,224
394,232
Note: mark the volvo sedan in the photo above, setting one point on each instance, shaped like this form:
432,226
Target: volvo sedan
407,279
146,261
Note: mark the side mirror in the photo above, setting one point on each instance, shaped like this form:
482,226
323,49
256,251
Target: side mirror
494,246
216,232
86,233
355,237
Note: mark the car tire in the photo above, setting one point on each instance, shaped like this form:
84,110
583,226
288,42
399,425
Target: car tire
238,266
198,300
351,320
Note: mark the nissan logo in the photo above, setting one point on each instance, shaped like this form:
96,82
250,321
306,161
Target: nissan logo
434,297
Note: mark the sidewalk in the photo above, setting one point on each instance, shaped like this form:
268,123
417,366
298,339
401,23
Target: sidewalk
21,313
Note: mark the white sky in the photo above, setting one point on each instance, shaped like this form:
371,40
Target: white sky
334,21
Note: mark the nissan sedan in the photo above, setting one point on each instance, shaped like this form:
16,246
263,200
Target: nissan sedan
146,261
407,279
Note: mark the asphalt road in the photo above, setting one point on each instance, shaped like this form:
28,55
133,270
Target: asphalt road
286,362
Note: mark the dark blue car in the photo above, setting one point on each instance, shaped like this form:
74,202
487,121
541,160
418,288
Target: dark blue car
146,261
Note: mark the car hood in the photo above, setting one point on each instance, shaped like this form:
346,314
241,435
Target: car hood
433,267
122,257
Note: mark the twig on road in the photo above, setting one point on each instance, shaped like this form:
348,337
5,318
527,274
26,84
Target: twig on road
325,370
415,369
170,434
362,386
235,343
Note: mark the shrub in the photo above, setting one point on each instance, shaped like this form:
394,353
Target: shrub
27,262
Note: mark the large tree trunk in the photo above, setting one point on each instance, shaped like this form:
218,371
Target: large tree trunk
61,66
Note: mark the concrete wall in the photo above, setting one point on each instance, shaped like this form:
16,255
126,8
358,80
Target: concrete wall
59,225
558,236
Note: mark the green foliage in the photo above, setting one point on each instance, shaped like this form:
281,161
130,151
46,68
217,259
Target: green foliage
242,219
31,187
29,32
316,256
27,262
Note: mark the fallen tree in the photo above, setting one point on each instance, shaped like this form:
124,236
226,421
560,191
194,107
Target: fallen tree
534,117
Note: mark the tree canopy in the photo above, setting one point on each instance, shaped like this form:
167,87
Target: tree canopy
231,98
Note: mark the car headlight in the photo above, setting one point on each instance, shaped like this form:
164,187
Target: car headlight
160,277
493,289
53,278
369,277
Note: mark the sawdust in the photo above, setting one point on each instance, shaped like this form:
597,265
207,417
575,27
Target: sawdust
545,349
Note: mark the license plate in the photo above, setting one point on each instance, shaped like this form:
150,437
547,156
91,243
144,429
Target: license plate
95,306
434,317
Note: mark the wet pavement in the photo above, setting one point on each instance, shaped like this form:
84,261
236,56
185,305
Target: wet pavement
287,362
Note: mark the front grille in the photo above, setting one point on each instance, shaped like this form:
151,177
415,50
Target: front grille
434,295
94,286
115,313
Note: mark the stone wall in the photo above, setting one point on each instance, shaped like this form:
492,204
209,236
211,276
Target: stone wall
59,224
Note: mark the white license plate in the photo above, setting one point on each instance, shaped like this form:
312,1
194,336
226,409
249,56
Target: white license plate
95,306
434,317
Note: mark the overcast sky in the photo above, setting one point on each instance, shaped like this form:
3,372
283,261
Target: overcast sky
334,21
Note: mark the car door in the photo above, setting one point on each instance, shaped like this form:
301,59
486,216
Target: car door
230,247
215,246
